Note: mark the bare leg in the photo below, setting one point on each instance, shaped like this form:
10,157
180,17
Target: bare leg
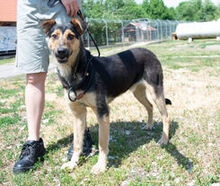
34,100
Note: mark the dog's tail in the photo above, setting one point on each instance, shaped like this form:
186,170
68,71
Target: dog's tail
168,102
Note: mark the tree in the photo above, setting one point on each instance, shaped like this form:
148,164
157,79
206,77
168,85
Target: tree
172,13
209,11
188,10
196,10
217,13
93,9
131,10
155,9
112,9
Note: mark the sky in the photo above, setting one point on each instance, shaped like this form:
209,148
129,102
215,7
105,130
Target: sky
175,3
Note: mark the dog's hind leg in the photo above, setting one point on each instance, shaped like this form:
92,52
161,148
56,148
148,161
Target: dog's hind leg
140,93
79,120
157,94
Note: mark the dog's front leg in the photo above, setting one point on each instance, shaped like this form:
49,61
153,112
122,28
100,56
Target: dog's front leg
79,113
103,144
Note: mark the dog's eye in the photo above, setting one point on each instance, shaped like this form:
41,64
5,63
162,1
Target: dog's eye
70,36
54,36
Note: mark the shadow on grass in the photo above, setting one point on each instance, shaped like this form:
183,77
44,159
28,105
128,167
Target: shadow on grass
127,137
61,143
138,137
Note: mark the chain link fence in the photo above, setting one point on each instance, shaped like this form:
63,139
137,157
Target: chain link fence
110,32
116,32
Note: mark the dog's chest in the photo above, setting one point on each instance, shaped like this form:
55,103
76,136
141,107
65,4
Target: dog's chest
89,99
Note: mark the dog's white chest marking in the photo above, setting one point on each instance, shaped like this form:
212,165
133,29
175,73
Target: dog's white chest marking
89,99
65,70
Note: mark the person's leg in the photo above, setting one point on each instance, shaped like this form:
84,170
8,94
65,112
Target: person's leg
34,100
33,149
32,58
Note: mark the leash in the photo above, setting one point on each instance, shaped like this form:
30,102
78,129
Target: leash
52,3
79,13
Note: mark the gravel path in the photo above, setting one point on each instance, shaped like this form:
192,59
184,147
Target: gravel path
9,70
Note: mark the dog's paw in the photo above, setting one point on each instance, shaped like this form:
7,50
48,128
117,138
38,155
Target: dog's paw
163,140
147,127
98,168
69,165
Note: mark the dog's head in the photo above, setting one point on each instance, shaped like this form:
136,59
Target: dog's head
64,40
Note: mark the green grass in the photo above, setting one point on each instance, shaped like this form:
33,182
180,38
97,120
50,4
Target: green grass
190,158
6,61
180,55
204,45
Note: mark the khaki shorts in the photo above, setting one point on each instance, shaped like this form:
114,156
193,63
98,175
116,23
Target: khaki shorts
32,55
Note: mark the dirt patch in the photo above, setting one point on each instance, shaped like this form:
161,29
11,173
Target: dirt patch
213,48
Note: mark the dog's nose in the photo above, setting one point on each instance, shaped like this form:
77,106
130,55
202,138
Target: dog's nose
62,52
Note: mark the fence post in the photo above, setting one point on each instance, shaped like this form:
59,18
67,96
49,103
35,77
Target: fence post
136,33
88,38
122,32
161,33
173,26
176,23
106,31
158,33
171,29
166,29
149,21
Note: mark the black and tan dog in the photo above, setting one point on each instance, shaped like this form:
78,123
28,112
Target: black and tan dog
96,81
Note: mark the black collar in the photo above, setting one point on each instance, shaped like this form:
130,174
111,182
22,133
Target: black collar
87,78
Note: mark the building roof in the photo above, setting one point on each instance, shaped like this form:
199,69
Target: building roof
8,10
143,26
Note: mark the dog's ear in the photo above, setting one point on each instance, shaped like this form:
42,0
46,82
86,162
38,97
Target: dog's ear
77,24
47,25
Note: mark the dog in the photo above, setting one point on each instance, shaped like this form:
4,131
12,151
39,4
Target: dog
94,82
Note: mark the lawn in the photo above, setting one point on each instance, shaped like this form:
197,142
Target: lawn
6,61
192,157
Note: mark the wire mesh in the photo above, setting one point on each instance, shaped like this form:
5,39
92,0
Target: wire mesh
115,32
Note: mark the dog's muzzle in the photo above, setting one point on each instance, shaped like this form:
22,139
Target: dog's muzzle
62,55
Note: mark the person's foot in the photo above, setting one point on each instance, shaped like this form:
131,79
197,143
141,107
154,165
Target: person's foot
87,145
30,153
